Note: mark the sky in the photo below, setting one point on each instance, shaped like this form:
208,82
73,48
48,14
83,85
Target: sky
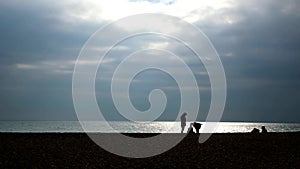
257,41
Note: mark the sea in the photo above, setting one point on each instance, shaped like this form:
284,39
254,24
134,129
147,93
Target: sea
135,127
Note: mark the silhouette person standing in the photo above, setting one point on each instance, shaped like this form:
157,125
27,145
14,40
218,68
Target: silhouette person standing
183,121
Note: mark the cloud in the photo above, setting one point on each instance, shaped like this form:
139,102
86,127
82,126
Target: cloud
258,42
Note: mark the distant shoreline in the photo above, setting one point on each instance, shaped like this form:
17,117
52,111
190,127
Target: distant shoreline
221,150
131,127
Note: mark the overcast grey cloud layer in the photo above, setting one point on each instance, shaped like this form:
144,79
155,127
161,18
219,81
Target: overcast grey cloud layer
258,43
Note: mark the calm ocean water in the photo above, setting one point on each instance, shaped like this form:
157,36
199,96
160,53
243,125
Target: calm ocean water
134,127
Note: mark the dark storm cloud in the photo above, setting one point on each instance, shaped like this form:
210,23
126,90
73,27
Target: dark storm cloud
36,48
260,53
34,34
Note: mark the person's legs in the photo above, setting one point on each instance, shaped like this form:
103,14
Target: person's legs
197,130
182,128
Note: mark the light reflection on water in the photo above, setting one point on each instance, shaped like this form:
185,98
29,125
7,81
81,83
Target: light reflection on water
136,127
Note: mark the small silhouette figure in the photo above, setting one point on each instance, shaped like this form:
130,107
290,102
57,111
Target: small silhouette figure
190,129
263,129
183,121
255,131
197,126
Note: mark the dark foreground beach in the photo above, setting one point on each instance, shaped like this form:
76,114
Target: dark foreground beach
50,150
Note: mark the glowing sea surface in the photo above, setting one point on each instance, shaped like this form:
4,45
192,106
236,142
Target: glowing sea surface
135,127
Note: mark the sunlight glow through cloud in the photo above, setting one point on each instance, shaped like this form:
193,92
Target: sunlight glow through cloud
116,9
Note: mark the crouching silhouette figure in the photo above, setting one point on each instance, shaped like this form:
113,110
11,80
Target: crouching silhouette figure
263,129
190,129
255,131
197,127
